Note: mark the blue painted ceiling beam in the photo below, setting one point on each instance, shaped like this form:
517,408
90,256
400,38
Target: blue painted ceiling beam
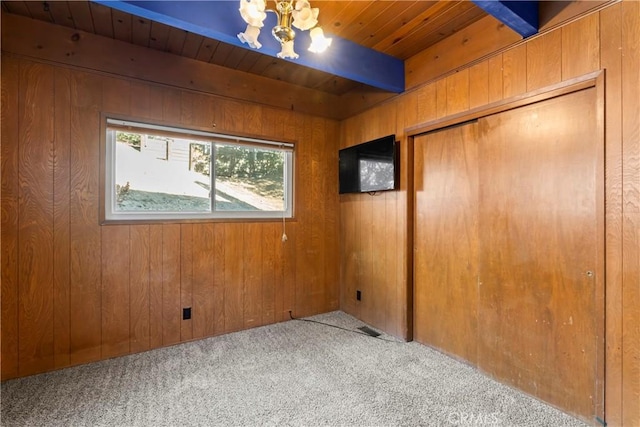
520,16
221,20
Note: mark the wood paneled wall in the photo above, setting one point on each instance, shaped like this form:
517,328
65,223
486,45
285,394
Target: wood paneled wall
74,291
74,47
607,40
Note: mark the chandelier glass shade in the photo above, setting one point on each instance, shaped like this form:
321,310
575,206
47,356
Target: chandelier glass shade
299,15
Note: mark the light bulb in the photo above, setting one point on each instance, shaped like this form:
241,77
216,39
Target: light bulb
319,43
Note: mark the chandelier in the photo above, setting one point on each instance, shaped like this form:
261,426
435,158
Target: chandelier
302,16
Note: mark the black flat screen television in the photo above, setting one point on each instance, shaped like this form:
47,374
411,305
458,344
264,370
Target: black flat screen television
369,167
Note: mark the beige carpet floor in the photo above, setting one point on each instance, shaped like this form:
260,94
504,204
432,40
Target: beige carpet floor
290,374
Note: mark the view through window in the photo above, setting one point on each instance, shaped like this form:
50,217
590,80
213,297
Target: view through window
158,172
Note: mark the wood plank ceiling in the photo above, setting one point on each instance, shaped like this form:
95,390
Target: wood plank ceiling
399,28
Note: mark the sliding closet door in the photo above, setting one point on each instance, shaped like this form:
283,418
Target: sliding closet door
541,243
446,240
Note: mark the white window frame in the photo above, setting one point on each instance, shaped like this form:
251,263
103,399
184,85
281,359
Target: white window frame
111,214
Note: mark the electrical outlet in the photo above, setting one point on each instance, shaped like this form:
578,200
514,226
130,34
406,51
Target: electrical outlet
186,313
359,295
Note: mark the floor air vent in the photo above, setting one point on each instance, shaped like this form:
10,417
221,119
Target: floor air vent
367,330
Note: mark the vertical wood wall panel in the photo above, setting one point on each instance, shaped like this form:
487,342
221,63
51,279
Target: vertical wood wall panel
61,225
85,292
514,71
398,321
271,255
607,39
331,220
251,284
155,286
171,257
479,85
496,86
441,98
290,278
139,305
315,232
219,258
203,287
186,280
581,46
426,104
544,60
458,92
303,285
115,291
611,59
233,278
9,220
35,224
631,212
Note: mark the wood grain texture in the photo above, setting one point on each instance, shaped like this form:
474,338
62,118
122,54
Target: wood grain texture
631,213
270,277
474,42
304,253
218,261
85,246
581,46
185,72
116,289
400,313
140,31
479,84
427,104
233,278
289,273
544,60
251,284
203,280
441,98
10,214
329,158
538,313
628,400
61,243
122,25
171,269
116,296
496,86
139,292
611,59
367,220
446,240
38,11
102,20
186,279
155,286
458,92
60,13
81,13
35,225
594,41
514,71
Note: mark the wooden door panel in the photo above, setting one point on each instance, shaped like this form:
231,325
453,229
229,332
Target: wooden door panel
446,240
539,249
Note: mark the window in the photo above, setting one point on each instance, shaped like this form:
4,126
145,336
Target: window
160,172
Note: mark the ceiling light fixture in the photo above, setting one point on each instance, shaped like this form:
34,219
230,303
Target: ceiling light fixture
302,16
